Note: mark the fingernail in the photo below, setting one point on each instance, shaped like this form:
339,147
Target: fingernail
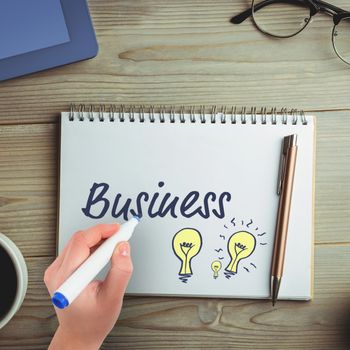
124,249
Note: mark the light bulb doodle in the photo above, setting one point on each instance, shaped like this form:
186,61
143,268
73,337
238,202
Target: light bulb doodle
216,267
240,245
187,243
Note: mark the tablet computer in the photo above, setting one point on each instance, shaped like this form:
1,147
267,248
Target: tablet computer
43,34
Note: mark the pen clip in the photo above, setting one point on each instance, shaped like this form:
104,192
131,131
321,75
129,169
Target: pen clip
282,166
288,142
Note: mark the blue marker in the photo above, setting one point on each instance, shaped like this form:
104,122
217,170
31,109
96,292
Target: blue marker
88,270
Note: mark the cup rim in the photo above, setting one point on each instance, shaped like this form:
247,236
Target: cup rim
22,276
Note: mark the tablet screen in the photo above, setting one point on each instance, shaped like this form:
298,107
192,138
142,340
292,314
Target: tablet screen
27,26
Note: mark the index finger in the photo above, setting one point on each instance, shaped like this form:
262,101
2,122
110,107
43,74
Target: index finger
78,249
95,234
92,236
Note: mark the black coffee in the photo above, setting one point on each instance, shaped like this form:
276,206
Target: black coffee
8,282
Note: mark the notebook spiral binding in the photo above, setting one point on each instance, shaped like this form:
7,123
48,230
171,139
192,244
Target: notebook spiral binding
212,114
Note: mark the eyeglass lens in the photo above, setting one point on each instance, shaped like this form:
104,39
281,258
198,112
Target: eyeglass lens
341,39
281,18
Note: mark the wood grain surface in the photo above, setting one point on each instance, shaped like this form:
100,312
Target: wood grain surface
198,323
186,52
182,53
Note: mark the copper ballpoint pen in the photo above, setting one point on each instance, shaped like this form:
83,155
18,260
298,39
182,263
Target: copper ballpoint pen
284,190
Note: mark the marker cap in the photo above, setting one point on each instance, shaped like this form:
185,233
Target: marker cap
59,300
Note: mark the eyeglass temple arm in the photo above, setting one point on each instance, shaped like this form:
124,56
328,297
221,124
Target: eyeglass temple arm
325,6
247,13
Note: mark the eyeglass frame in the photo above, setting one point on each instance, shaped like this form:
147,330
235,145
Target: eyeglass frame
315,6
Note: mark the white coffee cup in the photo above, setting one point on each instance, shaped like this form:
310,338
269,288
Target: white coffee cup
22,277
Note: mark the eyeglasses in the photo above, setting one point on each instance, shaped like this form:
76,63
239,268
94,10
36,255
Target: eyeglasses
287,18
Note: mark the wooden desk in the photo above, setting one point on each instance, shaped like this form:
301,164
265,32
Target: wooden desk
184,52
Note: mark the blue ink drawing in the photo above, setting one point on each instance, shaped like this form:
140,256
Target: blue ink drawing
184,278
228,275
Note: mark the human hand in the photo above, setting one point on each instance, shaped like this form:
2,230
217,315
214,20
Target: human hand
92,315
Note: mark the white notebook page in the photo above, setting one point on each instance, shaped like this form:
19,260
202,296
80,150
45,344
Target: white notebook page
225,179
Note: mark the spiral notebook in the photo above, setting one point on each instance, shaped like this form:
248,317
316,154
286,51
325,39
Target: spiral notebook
204,182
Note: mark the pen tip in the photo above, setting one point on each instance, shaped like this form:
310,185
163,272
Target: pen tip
137,218
275,286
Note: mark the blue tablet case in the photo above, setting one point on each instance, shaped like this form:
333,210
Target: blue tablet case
69,36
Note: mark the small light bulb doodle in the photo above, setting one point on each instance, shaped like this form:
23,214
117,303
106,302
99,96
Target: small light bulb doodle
240,245
216,267
186,245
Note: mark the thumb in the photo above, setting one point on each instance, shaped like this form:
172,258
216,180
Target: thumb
114,285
